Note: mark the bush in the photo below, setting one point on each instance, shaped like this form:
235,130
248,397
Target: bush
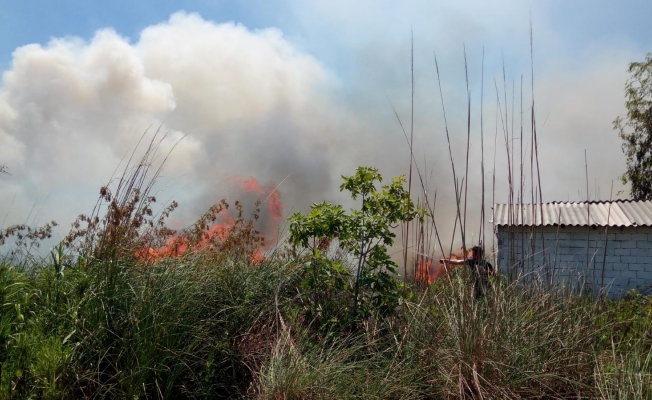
365,235
207,319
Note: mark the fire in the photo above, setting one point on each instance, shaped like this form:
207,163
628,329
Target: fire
258,257
271,200
218,231
174,247
426,272
178,245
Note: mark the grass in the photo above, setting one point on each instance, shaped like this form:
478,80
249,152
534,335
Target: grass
186,329
207,318
99,320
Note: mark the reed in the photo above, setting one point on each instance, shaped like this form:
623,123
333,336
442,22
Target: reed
105,317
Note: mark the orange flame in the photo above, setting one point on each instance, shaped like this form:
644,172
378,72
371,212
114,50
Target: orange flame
273,200
175,247
178,245
423,272
258,257
427,273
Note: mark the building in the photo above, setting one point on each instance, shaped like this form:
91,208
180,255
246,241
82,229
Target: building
593,246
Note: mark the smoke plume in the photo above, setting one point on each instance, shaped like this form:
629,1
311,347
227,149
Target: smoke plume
247,103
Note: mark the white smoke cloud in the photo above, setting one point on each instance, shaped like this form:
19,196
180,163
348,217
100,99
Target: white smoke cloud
575,116
249,103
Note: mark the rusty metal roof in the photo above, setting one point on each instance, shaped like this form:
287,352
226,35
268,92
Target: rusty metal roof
618,213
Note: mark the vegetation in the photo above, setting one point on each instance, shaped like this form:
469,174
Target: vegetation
636,129
125,307
204,319
192,328
365,234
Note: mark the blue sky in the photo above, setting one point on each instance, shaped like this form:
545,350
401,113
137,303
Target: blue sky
579,23
305,89
37,21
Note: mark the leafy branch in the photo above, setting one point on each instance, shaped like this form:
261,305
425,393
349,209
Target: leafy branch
365,233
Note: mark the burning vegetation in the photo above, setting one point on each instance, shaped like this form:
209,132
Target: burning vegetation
218,229
130,228
426,271
112,314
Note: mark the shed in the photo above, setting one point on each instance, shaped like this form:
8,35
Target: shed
591,245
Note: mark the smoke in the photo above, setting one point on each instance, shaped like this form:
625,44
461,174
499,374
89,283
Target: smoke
249,103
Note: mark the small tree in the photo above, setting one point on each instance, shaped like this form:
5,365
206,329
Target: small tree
365,233
636,129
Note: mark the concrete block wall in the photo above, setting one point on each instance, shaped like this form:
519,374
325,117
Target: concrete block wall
576,255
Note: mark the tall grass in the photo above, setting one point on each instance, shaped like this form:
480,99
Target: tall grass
100,320
185,329
514,343
206,320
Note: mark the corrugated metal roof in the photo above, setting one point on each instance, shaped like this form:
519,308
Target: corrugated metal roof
619,213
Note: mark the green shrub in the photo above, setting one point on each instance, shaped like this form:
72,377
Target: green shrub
365,235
